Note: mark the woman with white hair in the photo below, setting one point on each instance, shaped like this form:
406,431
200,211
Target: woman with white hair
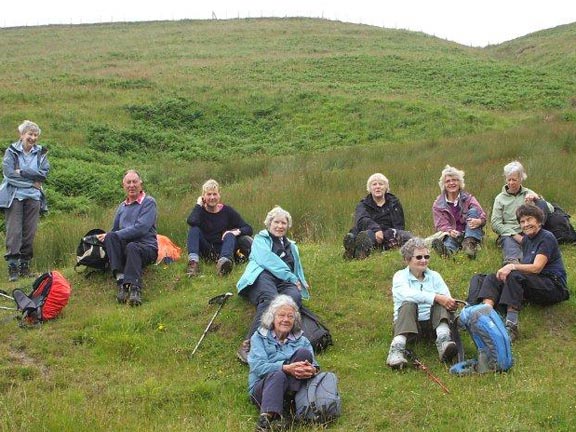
281,360
504,221
273,268
25,168
378,221
457,215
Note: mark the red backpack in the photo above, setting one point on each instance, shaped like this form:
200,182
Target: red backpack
50,294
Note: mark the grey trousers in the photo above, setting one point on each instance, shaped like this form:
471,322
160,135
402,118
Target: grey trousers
407,322
21,223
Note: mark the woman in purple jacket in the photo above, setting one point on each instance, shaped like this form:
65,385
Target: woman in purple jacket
457,215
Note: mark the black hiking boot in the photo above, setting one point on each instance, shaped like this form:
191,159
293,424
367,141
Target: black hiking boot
123,292
24,269
224,266
134,299
349,246
362,245
13,272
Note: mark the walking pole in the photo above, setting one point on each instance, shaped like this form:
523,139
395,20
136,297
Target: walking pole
221,300
423,367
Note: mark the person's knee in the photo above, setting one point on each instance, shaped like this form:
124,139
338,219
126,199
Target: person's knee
408,307
302,354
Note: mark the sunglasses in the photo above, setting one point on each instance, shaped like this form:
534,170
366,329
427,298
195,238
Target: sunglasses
419,257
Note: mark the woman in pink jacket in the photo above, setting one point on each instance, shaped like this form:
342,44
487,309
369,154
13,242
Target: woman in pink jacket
458,215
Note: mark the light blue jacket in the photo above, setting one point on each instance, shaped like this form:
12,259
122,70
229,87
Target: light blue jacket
13,181
262,258
267,354
407,288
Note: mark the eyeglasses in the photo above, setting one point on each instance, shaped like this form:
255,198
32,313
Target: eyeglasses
289,317
420,257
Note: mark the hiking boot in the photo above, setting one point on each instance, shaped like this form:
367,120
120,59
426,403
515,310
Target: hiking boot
439,246
396,358
134,299
193,269
447,350
362,245
13,272
123,292
224,266
24,269
270,422
349,246
243,351
513,331
470,247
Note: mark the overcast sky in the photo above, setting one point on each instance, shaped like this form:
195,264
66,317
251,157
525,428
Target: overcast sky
469,22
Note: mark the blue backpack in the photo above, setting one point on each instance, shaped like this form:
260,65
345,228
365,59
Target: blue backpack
491,339
318,400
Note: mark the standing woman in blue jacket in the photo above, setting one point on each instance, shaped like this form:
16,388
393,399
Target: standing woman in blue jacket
25,168
273,268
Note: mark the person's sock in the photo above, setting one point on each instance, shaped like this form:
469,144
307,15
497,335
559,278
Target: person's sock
119,276
443,331
399,341
512,316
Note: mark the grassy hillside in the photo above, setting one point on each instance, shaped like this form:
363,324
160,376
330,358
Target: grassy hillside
293,112
220,90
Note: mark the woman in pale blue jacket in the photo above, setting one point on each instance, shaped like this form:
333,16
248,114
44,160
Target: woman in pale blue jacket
274,268
25,168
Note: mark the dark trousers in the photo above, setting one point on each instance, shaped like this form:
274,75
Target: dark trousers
21,220
198,245
264,289
270,391
407,321
520,287
129,258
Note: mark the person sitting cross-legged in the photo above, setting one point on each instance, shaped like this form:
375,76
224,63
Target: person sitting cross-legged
216,232
423,306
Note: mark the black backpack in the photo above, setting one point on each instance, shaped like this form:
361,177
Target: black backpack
91,252
558,223
316,332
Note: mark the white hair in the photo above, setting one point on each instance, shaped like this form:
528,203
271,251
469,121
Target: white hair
380,177
210,185
515,167
28,125
277,212
267,320
450,171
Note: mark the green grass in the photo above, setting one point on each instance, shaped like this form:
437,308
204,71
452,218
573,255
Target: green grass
298,113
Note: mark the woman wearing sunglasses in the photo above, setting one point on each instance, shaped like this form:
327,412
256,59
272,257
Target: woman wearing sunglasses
423,306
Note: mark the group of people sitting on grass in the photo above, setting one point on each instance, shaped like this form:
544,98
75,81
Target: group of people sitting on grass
281,359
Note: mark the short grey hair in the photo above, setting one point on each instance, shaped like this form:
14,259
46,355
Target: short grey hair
28,125
407,250
515,167
378,176
267,320
450,171
277,212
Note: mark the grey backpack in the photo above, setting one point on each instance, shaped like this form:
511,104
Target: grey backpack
318,400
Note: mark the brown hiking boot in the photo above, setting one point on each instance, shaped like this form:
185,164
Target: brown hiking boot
470,247
224,266
243,351
193,269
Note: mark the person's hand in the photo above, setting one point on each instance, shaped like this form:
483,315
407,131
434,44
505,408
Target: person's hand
17,171
300,370
379,237
200,201
37,185
531,198
299,285
446,301
454,233
503,273
235,231
474,223
101,237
